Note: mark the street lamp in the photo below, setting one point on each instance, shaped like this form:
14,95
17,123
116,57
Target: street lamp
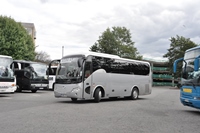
62,51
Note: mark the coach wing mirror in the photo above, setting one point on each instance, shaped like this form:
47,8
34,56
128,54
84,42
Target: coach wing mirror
196,64
175,64
47,71
27,74
80,62
12,66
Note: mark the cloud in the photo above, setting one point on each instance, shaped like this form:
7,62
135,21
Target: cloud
77,24
43,1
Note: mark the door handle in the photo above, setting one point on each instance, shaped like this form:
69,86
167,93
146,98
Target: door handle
87,83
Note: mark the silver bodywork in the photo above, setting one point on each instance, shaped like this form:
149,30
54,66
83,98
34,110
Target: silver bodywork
113,85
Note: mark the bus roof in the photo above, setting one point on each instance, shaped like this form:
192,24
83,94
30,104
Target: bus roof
106,56
94,54
30,62
5,56
197,47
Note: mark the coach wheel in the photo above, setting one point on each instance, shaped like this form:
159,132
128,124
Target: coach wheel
18,89
33,91
97,95
53,86
74,99
134,94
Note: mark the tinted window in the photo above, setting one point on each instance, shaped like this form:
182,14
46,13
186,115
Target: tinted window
120,66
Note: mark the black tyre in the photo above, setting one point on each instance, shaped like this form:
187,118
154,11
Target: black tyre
74,99
97,95
33,91
134,94
18,89
53,86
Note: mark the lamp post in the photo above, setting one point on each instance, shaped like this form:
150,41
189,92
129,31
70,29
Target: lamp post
62,51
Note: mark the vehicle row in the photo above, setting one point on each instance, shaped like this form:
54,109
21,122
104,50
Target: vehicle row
19,75
87,75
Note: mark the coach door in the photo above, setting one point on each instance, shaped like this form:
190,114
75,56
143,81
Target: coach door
87,84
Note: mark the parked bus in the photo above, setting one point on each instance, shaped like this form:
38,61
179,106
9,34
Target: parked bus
7,78
98,76
190,80
30,75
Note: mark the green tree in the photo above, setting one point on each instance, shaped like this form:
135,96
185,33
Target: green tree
118,42
177,49
14,40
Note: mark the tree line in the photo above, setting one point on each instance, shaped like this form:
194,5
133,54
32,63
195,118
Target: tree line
16,42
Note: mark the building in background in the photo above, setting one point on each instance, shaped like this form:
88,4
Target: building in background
160,73
30,27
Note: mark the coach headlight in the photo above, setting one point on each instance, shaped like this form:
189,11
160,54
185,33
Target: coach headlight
13,85
75,90
196,98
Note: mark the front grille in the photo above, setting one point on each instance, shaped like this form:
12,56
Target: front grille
3,87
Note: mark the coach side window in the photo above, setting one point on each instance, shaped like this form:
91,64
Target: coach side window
87,70
139,68
102,63
87,67
96,63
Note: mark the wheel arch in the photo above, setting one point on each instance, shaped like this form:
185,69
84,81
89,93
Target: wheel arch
136,87
101,88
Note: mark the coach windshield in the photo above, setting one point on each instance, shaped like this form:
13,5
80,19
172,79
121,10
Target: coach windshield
69,70
39,70
6,73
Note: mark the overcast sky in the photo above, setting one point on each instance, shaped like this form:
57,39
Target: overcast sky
77,24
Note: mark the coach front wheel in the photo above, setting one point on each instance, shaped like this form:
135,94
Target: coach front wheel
97,95
33,91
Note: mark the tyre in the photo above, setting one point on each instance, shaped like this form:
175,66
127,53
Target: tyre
134,94
18,89
33,91
97,95
53,86
74,99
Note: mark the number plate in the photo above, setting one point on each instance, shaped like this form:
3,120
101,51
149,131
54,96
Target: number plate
187,90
